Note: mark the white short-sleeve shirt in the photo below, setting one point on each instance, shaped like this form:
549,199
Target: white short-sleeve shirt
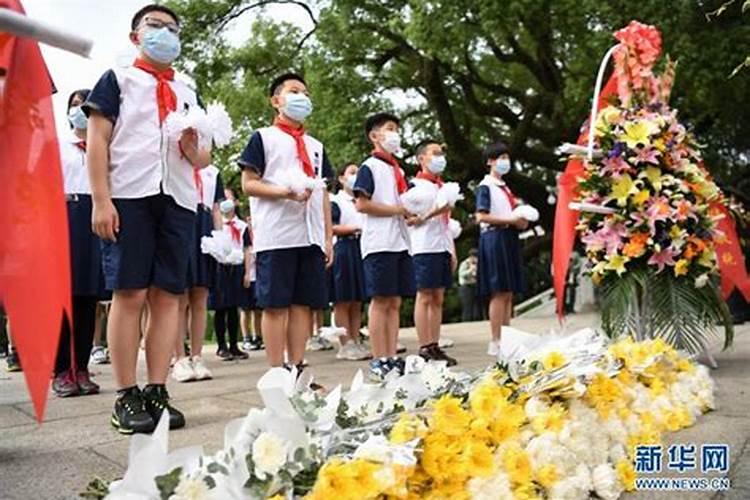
433,235
73,159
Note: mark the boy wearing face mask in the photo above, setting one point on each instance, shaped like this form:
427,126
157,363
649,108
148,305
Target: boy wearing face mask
389,271
71,366
293,238
500,269
433,254
347,290
144,203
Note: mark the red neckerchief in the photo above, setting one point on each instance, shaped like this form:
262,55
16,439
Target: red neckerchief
511,199
297,134
198,182
234,230
165,96
401,185
81,145
438,181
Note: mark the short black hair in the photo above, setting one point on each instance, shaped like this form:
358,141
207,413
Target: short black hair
82,93
424,143
281,79
379,119
154,7
494,151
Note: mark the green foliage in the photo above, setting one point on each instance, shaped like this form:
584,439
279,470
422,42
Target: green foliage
647,304
97,489
167,483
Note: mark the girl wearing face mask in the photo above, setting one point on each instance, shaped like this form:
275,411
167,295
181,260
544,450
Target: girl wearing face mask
500,268
347,287
71,366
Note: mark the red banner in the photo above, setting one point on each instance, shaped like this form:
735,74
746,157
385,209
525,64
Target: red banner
34,256
730,258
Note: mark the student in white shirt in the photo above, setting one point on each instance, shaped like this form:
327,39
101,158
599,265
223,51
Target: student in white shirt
500,268
201,276
71,366
389,271
347,288
433,253
293,239
144,202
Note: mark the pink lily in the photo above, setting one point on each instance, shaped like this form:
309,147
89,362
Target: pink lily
648,155
663,258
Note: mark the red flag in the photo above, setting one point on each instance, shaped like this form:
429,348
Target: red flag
565,219
730,258
34,256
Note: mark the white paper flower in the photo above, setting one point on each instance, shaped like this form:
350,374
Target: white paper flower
419,200
527,212
448,194
455,228
220,123
297,181
269,455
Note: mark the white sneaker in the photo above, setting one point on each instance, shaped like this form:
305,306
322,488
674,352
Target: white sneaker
99,355
493,348
247,345
445,343
364,350
201,370
182,371
317,343
351,352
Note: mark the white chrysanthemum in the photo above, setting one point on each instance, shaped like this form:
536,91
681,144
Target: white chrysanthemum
535,406
191,489
545,449
269,454
575,487
616,429
385,477
605,482
617,452
495,487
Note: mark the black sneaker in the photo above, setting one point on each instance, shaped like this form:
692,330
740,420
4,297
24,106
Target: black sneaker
256,344
238,353
398,364
440,355
156,398
130,415
14,362
224,354
425,352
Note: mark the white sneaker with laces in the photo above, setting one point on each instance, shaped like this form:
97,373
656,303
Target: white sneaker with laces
99,355
315,344
445,343
247,345
201,370
351,352
364,350
182,371
493,348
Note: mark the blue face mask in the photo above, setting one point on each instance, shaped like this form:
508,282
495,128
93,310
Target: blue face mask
502,166
161,45
78,118
297,106
437,164
350,180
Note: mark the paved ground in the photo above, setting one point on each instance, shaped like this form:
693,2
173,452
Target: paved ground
56,460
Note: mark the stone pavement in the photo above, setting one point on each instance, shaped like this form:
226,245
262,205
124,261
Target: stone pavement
76,443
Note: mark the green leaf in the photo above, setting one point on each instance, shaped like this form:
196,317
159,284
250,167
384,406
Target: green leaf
210,482
167,483
215,467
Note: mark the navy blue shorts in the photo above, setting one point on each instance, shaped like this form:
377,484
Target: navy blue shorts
389,274
433,270
152,247
291,276
201,266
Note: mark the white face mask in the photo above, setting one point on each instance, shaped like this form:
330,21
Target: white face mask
350,180
226,207
391,142
437,164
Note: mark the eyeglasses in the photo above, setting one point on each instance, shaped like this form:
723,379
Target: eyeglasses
159,24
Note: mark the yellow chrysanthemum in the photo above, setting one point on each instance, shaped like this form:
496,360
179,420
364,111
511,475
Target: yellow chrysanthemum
525,492
449,416
517,465
477,458
547,475
553,360
551,420
604,394
407,428
508,425
626,474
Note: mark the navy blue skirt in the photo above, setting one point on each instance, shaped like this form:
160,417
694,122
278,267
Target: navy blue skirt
247,298
433,270
228,290
347,274
201,267
500,267
85,250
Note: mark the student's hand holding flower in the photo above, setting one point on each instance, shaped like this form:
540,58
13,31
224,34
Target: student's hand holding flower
189,145
414,220
105,221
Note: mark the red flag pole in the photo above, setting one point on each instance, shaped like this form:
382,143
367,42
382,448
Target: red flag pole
34,255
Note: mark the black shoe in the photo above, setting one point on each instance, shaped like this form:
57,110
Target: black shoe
256,344
398,364
14,363
237,353
439,355
425,352
130,415
224,354
156,398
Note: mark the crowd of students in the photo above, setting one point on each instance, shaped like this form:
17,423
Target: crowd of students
140,201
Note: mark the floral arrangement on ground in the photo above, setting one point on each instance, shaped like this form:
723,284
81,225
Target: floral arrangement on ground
559,417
